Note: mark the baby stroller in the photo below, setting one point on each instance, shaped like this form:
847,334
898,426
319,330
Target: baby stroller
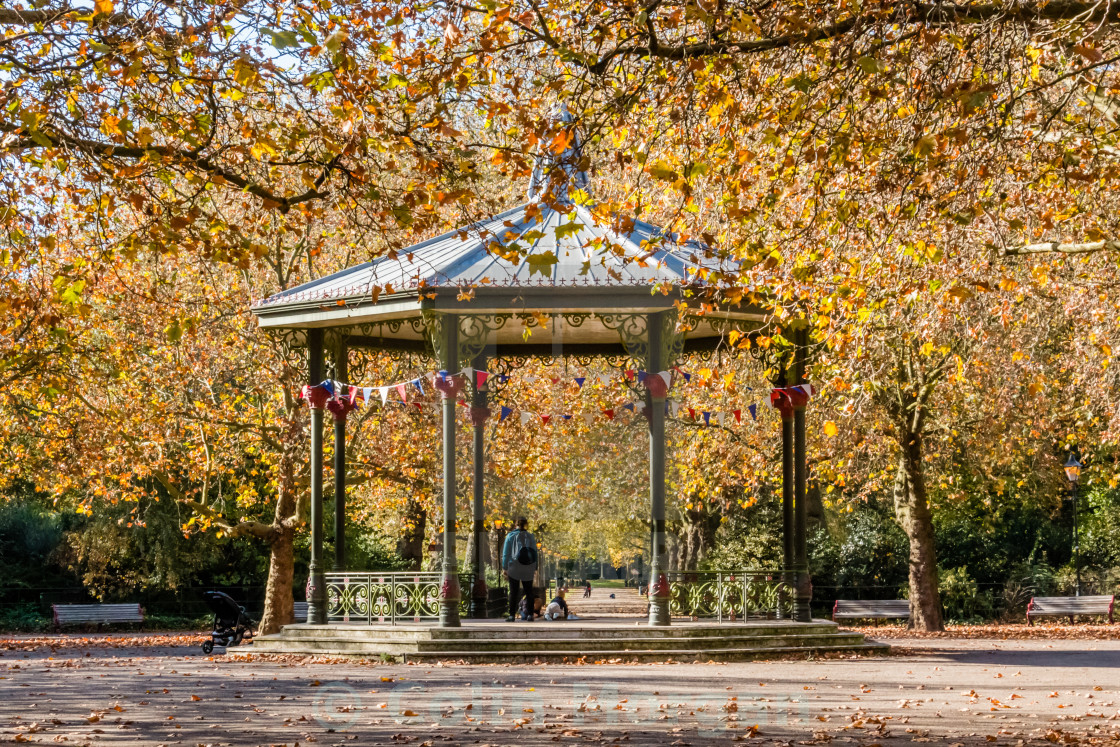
231,624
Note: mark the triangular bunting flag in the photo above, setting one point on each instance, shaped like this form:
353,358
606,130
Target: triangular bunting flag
525,417
588,418
628,406
480,379
545,419
738,416
642,376
419,385
754,411
674,407
401,390
366,392
707,417
609,413
579,381
506,412
604,379
667,377
384,392
691,414
721,418
566,417
469,373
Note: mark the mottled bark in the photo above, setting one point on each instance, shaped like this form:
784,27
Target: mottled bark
912,511
697,536
278,598
497,539
279,601
414,523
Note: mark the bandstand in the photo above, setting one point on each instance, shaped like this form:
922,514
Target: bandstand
547,279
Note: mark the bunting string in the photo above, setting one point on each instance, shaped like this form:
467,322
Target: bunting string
409,393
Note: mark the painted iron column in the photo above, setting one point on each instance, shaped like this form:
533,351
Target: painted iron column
804,584
316,585
655,407
789,582
449,387
479,414
339,415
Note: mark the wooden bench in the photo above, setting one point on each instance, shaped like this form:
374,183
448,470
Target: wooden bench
851,609
1068,607
299,612
84,614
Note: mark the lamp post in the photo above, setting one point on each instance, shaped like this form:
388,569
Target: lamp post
1073,472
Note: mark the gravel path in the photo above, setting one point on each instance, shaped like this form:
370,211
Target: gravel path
160,689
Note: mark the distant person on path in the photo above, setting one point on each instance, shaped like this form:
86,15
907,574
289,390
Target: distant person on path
519,564
586,589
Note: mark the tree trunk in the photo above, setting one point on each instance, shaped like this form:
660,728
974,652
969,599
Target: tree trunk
497,539
912,511
697,537
278,599
411,544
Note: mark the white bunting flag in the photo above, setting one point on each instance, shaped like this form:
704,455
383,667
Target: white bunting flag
526,417
667,377
604,379
469,373
674,407
367,393
588,417
720,417
384,392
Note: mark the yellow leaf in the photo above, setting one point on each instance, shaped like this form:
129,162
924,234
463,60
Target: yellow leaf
830,429
103,6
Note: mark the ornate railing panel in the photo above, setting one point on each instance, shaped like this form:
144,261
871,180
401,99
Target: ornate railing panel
727,595
376,598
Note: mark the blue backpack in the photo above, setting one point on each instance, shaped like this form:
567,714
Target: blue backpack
527,554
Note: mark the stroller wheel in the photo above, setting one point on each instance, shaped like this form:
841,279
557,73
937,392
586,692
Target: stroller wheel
207,647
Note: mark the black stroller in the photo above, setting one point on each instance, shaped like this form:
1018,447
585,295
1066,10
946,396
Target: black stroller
231,624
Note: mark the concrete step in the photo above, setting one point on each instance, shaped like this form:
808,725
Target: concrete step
556,631
522,654
685,655
577,646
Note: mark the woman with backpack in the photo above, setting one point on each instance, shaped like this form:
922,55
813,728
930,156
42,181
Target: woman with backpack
519,564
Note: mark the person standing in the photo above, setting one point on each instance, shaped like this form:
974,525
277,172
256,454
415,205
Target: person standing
519,565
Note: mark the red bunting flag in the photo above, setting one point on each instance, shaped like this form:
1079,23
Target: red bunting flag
403,391
738,416
609,414
545,419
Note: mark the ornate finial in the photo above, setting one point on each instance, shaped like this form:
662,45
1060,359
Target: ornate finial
571,177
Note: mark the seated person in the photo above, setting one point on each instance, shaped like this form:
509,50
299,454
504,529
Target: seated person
558,608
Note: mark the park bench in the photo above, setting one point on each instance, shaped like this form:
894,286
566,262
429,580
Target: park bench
99,614
1068,607
299,612
851,609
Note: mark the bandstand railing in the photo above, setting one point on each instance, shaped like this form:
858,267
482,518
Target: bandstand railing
398,597
731,595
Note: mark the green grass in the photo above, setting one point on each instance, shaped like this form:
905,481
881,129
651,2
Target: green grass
614,583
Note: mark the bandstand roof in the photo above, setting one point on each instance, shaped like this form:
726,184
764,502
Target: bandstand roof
567,263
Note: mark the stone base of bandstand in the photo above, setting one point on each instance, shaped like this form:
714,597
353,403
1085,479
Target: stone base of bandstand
489,641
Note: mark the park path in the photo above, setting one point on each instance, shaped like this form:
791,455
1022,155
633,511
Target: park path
626,602
140,691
